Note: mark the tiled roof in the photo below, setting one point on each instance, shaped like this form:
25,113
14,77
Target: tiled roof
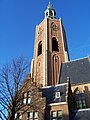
78,71
81,114
50,92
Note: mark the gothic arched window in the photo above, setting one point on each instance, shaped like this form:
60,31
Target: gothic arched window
54,44
40,48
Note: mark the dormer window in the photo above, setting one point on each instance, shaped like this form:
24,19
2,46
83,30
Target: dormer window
57,95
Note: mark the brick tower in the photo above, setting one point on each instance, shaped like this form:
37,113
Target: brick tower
50,49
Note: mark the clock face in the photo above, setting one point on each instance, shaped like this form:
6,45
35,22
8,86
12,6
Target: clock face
53,26
40,31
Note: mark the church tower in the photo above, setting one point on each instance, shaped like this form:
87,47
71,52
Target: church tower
50,49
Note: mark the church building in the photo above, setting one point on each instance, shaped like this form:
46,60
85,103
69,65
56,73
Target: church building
57,89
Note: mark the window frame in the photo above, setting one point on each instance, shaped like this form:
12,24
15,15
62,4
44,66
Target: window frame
57,116
33,115
18,115
27,98
57,94
80,101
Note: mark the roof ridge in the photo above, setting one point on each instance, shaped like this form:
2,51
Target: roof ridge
62,84
77,59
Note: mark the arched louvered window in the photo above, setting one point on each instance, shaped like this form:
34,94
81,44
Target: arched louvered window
54,44
40,48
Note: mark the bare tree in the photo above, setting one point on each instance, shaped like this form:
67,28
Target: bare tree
11,78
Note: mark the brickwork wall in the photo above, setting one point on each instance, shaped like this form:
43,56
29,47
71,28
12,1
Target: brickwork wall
38,103
64,108
46,70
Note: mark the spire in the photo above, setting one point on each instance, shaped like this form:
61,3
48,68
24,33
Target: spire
50,12
49,6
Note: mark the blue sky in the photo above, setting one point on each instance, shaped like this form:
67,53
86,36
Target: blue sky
18,19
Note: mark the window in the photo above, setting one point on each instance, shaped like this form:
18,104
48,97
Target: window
80,101
33,115
30,115
54,44
18,116
59,113
27,98
56,115
80,104
46,13
57,94
40,48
